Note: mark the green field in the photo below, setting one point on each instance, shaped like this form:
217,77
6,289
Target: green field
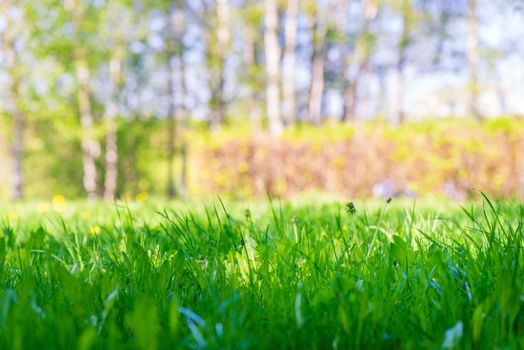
241,276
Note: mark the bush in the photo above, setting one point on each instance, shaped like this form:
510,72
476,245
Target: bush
449,158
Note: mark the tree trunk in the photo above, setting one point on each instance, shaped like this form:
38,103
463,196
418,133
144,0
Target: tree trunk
316,88
316,85
111,158
399,114
182,114
473,57
183,171
350,100
218,104
171,131
341,25
170,55
501,97
17,155
14,109
90,147
349,84
351,92
288,83
250,62
382,98
272,67
360,59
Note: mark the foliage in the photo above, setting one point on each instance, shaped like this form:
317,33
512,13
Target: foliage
70,68
449,158
444,157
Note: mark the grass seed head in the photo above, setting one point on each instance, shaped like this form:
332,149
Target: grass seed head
350,207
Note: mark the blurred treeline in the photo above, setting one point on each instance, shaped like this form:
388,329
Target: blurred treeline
114,98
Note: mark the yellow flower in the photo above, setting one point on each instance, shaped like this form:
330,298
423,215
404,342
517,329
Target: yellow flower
95,230
59,203
43,208
142,197
14,216
58,198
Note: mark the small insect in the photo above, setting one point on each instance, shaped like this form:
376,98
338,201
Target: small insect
388,200
350,207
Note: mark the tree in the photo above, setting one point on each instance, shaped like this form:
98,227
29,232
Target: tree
342,40
288,81
170,54
473,57
15,107
217,37
252,17
182,111
318,27
174,32
272,67
116,34
83,18
408,18
360,59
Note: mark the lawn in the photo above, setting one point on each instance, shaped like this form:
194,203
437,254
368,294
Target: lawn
283,275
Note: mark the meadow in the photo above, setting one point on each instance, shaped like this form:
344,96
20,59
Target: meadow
308,274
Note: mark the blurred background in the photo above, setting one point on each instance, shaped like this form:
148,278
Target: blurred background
241,98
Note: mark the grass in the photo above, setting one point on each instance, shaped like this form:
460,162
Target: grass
145,276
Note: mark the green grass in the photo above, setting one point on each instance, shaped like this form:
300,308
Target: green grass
302,275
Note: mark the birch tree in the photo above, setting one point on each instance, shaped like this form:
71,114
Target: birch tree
360,59
216,24
15,104
116,34
289,62
170,52
177,114
473,57
181,109
318,24
81,19
252,17
408,19
272,47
